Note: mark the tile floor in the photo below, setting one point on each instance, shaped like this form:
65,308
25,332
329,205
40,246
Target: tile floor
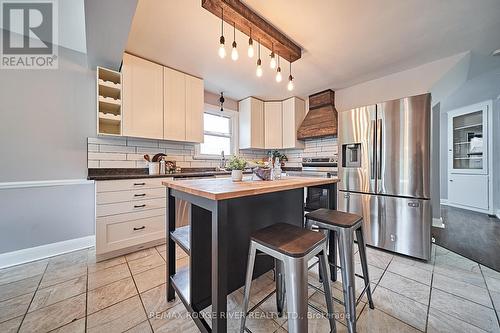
73,293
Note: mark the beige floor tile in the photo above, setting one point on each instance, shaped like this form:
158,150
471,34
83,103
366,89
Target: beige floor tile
474,278
174,320
374,273
424,265
440,322
319,324
414,272
181,263
110,294
258,322
376,258
155,300
108,275
14,307
490,272
146,263
77,326
400,307
143,327
472,313
453,260
56,293
12,325
56,276
19,287
55,315
462,289
270,310
493,284
150,279
21,272
318,299
117,318
376,321
415,290
68,259
99,266
141,254
495,297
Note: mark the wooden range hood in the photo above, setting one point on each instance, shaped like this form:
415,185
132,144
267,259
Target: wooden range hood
321,120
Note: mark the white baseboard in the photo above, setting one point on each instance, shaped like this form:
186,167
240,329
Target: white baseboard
444,201
44,251
498,214
438,223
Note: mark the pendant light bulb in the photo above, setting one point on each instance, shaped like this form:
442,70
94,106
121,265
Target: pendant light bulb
290,85
259,68
222,48
279,77
234,51
250,48
272,64
222,41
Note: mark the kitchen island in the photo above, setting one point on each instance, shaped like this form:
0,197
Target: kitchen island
223,216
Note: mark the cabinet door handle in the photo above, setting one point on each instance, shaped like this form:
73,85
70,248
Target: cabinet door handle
140,228
140,195
139,184
140,206
451,180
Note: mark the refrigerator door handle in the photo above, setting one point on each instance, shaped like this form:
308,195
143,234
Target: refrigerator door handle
379,149
374,151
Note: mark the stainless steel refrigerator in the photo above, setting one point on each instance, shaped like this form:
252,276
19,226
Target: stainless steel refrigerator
384,172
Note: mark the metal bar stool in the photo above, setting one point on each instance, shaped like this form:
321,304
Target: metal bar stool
345,225
294,247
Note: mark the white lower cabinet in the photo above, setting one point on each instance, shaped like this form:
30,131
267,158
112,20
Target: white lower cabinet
130,215
468,191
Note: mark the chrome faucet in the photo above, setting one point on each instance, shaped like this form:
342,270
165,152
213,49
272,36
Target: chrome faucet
222,164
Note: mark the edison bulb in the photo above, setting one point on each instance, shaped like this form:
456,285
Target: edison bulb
222,51
259,71
234,52
290,85
272,64
279,77
250,51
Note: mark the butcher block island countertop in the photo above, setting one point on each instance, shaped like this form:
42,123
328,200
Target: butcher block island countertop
225,188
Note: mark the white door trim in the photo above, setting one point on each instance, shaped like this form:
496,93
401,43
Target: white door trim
44,251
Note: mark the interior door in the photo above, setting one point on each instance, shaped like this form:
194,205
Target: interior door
356,138
403,147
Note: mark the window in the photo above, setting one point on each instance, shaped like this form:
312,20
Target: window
219,133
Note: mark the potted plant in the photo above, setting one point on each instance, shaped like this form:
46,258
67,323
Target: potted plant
237,165
281,157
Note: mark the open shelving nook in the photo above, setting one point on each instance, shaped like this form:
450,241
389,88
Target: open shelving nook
109,102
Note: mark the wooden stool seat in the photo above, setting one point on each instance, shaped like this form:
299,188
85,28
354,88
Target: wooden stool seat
334,217
288,239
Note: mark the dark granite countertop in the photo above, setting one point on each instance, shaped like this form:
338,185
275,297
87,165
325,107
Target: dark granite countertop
135,173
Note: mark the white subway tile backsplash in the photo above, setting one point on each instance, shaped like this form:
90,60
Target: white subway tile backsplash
128,152
107,156
116,149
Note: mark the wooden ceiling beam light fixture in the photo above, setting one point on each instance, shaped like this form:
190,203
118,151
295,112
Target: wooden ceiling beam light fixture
253,25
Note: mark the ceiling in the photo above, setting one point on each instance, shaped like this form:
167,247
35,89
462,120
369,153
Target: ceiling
344,42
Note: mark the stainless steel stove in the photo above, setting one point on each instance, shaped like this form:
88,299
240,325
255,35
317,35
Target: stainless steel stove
326,167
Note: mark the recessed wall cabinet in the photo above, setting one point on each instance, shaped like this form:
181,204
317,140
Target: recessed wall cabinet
160,102
251,119
469,151
109,102
142,98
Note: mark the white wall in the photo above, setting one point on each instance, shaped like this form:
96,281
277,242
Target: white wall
415,81
45,119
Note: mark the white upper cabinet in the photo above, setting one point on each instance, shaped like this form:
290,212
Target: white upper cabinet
273,125
294,112
174,106
194,109
251,120
142,98
183,107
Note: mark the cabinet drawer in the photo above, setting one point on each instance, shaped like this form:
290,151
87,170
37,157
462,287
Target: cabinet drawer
129,184
113,234
128,207
131,195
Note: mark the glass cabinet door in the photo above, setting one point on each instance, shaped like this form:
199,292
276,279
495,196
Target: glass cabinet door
468,142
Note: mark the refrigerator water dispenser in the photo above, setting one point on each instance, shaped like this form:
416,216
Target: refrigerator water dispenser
351,155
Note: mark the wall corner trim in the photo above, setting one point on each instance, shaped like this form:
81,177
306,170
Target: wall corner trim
44,251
